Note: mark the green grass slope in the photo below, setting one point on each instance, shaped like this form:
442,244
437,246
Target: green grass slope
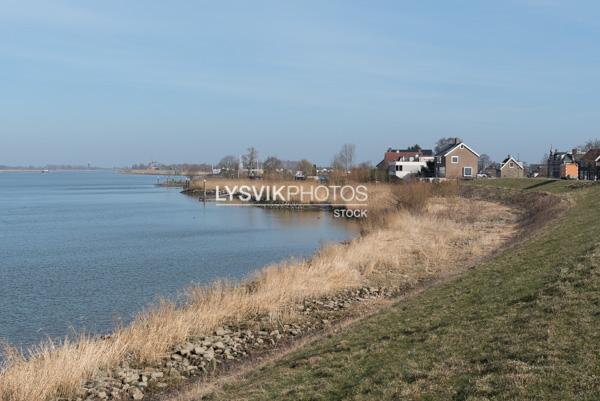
533,184
523,326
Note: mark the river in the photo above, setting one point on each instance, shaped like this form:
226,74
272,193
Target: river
87,250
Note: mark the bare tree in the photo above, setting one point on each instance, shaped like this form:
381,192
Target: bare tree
443,142
591,144
229,166
345,158
228,162
272,165
484,162
306,167
250,159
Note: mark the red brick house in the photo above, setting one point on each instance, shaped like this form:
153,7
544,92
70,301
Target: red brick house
456,160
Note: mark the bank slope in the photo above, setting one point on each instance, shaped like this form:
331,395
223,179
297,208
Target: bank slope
523,326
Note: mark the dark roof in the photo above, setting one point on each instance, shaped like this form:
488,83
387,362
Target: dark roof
445,149
451,146
561,157
591,155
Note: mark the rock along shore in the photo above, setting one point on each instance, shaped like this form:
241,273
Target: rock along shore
206,356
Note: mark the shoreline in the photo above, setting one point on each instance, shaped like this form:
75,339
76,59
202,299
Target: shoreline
162,172
154,379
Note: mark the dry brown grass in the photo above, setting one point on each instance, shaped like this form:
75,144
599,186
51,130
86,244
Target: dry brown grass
415,237
409,246
54,369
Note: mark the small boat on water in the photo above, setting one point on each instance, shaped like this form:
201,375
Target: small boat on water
45,171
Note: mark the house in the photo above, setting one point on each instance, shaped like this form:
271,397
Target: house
589,165
456,160
511,168
393,155
403,163
564,164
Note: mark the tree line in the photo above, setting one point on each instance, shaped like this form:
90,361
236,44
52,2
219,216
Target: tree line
343,163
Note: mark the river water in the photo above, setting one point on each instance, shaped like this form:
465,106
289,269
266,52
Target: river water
85,250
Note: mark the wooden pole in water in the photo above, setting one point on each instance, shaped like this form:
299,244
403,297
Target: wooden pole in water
204,199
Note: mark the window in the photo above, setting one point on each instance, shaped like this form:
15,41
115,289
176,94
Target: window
511,165
398,167
454,159
468,172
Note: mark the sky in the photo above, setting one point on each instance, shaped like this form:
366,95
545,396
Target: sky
120,82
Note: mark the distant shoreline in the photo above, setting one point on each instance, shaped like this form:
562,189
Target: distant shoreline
40,170
162,172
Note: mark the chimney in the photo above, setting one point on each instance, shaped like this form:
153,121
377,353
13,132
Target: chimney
456,140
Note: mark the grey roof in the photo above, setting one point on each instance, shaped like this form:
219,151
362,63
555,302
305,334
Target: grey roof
445,149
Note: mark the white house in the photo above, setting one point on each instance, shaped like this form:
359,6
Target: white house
403,169
406,166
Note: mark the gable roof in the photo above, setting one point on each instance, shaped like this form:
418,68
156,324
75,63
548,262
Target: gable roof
591,155
509,158
451,147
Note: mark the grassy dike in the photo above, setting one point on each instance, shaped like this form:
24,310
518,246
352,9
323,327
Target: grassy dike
522,326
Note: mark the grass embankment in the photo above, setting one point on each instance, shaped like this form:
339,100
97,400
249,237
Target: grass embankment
400,248
522,326
533,184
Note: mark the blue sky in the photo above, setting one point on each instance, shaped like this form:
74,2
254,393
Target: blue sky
115,82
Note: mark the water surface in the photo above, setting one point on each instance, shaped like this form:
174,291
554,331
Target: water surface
84,250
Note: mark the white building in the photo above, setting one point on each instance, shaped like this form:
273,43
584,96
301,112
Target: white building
403,169
408,166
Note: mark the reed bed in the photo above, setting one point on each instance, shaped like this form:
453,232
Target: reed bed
413,232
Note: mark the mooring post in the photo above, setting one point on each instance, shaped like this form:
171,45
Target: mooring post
204,198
